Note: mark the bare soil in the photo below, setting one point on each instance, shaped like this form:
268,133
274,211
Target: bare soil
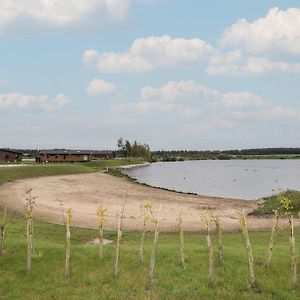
84,192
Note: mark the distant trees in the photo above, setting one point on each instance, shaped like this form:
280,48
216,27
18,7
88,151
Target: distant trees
135,149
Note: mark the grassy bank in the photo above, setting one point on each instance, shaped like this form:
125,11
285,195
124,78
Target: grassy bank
271,203
15,173
93,279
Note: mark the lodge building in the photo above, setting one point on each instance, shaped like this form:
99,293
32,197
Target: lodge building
10,155
49,156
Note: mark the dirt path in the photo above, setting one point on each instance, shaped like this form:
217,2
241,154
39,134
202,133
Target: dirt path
84,192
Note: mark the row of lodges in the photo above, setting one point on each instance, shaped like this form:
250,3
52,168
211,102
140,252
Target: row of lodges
58,155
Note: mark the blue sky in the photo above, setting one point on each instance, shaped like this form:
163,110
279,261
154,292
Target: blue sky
174,74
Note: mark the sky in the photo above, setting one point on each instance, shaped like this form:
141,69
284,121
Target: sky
174,74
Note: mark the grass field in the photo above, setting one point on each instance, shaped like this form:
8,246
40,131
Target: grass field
93,279
271,203
15,173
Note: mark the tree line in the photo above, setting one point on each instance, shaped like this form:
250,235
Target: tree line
135,149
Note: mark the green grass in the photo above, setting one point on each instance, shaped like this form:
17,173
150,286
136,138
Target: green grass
114,163
272,202
93,279
15,173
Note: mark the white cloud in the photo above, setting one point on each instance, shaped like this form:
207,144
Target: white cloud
241,100
20,101
99,86
31,15
188,100
278,31
275,113
218,123
252,66
178,90
146,54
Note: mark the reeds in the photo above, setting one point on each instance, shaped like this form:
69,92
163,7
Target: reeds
101,214
68,220
286,204
29,213
155,241
181,237
2,232
273,233
206,222
245,231
119,238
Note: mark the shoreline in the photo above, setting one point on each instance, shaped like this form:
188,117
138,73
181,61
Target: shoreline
83,193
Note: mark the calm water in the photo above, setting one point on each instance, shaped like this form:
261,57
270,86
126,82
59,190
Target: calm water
244,179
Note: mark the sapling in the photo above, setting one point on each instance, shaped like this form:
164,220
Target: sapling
61,203
29,213
2,232
219,239
206,222
68,220
286,205
245,231
101,214
145,218
155,241
181,237
273,233
119,237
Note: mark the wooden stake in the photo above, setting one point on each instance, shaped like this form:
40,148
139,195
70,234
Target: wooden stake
249,251
273,233
181,237
142,246
119,238
2,232
154,248
68,243
219,239
210,250
286,204
101,214
29,208
293,251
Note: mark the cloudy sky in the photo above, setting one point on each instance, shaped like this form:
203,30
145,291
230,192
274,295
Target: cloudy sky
174,74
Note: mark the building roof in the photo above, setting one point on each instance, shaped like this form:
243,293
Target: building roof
11,150
75,152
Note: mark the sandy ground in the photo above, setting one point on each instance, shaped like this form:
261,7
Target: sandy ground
84,192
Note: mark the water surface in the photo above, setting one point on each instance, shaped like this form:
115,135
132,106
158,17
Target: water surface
242,179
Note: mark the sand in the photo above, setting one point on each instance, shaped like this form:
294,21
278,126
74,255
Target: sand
84,192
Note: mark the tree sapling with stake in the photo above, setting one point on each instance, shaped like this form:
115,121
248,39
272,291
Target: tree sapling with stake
286,205
101,214
273,233
181,237
68,242
2,232
119,238
245,231
145,218
206,222
29,212
155,241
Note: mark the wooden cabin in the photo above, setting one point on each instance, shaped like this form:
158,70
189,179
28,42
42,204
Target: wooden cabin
10,155
63,156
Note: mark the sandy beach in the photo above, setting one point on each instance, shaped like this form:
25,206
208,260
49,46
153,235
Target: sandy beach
84,192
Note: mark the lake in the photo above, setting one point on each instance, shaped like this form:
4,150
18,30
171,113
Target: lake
241,179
